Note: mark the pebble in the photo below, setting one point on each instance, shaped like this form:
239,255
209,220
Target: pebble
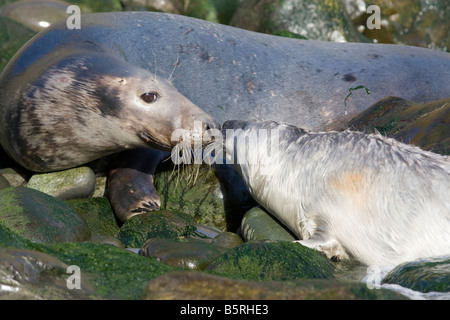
68,184
41,218
424,275
193,254
13,177
257,224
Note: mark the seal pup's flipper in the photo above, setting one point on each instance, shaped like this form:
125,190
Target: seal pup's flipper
130,183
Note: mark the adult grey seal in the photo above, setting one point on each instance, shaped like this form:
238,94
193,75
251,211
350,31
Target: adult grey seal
83,102
348,194
252,75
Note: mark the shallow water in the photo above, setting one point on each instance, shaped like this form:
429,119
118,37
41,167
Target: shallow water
373,276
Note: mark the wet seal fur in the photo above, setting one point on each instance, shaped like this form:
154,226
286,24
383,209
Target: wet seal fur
348,194
254,76
83,102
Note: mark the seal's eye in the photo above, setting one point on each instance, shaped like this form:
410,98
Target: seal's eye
149,97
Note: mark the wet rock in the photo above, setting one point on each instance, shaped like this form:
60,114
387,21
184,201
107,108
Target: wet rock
257,224
100,187
416,22
211,10
13,176
12,36
28,274
3,183
107,240
425,275
88,6
193,190
157,224
425,125
272,261
40,217
36,15
68,184
189,285
116,273
191,254
98,214
315,20
228,240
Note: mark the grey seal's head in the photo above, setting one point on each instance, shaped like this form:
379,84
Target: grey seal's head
79,104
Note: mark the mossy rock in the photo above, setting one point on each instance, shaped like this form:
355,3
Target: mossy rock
114,273
424,275
40,217
278,261
426,125
98,214
157,224
193,190
187,253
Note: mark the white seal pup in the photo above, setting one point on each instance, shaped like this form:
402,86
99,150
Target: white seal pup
350,195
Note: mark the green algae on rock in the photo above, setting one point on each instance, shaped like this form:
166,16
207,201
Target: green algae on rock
157,224
425,275
257,224
272,260
188,253
98,214
425,125
194,190
40,217
66,184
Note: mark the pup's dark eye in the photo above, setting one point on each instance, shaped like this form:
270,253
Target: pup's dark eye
149,97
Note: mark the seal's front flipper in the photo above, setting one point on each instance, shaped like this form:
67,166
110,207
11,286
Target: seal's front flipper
130,182
330,247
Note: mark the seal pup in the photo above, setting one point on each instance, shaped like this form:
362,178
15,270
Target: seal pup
83,102
350,195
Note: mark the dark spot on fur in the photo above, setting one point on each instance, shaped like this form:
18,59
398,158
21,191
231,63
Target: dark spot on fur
349,77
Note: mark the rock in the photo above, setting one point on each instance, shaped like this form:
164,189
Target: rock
190,285
13,176
68,184
40,217
100,187
107,240
425,125
257,224
27,274
12,36
87,6
228,240
193,190
211,10
237,200
157,224
425,275
417,23
3,183
272,261
98,214
36,15
115,273
191,254
316,20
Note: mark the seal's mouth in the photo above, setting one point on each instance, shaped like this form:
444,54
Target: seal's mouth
149,139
